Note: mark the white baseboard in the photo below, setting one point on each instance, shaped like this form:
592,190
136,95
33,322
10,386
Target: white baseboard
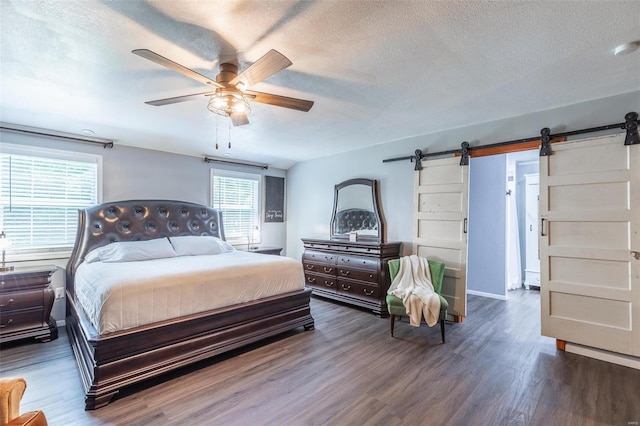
602,355
490,295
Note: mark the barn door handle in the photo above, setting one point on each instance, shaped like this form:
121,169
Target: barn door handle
464,227
542,233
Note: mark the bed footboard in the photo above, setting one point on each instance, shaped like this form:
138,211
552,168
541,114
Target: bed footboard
109,363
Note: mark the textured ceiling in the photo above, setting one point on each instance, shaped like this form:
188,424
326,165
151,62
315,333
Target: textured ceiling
378,71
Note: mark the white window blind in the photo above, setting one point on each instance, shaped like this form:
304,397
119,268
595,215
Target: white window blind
238,196
41,193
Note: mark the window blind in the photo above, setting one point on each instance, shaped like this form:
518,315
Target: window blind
237,195
40,200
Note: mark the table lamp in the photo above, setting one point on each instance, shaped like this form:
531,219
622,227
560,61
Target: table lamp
4,244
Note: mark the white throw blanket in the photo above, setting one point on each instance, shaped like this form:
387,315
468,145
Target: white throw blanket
413,285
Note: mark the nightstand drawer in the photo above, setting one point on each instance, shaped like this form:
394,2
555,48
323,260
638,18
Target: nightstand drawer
24,300
11,320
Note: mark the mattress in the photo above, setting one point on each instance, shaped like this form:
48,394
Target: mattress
118,296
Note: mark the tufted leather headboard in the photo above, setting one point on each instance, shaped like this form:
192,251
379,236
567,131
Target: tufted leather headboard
355,220
137,220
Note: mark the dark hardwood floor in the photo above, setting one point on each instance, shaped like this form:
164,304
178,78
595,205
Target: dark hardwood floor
494,369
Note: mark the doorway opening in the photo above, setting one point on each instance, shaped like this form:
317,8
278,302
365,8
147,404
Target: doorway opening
522,260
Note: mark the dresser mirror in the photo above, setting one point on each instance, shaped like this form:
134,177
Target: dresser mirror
356,208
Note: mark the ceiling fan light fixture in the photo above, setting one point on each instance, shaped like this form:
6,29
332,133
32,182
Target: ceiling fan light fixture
227,102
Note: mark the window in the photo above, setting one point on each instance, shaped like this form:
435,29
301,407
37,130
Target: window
41,191
238,196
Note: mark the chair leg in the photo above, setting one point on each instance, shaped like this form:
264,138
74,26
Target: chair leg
442,329
393,320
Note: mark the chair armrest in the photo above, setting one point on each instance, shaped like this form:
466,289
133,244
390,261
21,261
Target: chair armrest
32,418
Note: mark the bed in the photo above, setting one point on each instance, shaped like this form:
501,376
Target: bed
115,353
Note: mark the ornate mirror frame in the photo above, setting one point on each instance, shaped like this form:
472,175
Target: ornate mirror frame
377,211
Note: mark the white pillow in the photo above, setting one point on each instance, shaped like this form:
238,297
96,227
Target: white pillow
196,245
129,251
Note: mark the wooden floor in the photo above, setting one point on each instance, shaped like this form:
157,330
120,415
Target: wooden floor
494,369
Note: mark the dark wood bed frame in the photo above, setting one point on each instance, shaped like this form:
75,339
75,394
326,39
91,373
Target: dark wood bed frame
112,361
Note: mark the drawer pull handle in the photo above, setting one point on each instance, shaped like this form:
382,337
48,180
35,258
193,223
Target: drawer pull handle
327,270
311,267
370,275
311,280
367,292
346,287
328,283
9,302
8,322
344,273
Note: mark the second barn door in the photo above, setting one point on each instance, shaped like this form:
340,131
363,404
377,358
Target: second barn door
440,233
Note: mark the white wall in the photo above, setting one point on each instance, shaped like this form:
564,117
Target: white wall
133,173
310,183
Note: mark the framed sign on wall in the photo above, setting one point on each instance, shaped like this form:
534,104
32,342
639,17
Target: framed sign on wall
274,200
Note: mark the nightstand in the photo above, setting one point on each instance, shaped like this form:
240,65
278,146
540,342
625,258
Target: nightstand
266,250
26,299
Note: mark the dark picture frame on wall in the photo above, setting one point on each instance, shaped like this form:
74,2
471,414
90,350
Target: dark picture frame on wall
274,199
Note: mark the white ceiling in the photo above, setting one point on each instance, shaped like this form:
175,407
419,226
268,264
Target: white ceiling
378,71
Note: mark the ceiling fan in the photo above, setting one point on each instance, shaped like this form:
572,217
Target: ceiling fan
229,95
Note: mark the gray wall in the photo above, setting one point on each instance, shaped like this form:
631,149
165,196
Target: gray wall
487,225
133,173
310,183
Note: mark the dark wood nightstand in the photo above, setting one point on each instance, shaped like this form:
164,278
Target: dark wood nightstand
26,299
266,250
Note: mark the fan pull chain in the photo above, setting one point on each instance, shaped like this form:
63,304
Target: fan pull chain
216,132
229,133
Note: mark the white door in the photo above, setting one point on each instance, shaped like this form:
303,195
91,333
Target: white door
589,233
532,262
441,201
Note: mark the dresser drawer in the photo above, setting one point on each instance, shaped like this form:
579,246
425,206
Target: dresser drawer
320,282
358,262
22,300
319,257
370,276
360,291
11,320
319,269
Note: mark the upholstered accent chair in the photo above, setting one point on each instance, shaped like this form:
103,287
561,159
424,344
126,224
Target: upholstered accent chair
395,305
11,391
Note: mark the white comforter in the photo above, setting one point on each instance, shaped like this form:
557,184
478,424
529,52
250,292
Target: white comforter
117,296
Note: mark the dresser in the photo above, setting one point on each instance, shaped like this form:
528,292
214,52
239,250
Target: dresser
26,299
351,272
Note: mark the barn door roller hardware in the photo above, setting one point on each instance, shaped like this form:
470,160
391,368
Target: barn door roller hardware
630,125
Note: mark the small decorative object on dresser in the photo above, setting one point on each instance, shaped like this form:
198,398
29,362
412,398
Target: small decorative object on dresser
26,299
266,250
354,272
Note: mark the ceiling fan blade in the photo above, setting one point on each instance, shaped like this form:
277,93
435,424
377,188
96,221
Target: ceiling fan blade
272,62
177,99
168,63
239,119
281,101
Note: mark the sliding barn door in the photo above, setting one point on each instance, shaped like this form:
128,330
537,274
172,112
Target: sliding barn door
589,240
441,200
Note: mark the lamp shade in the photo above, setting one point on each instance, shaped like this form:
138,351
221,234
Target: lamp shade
5,243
